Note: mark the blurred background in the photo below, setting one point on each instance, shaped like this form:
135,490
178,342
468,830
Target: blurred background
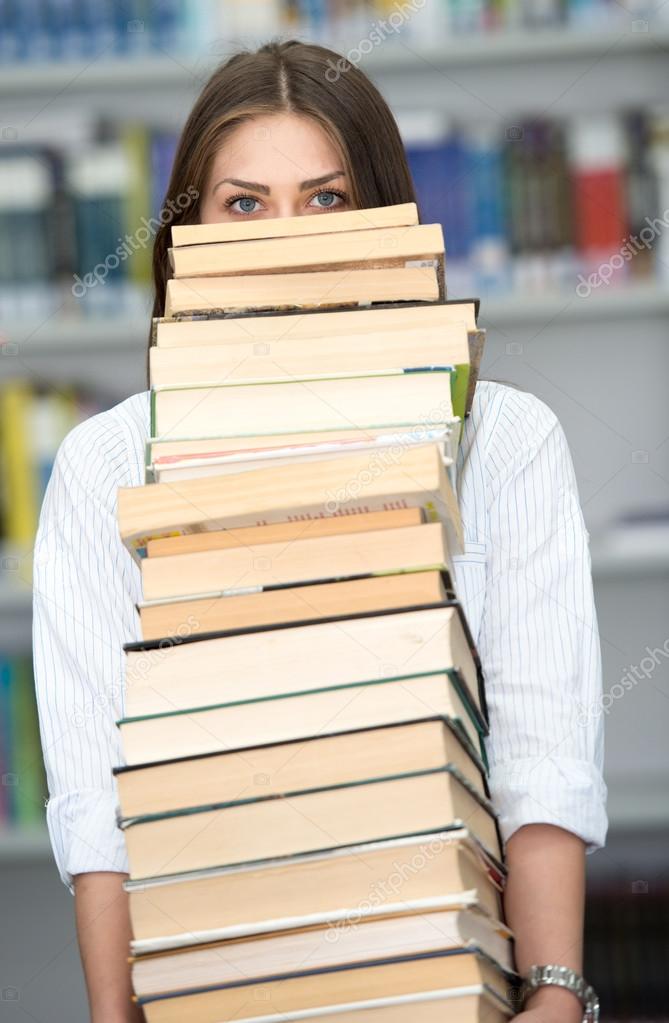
538,135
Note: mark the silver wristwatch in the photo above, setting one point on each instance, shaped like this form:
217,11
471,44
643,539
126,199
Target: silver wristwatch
565,977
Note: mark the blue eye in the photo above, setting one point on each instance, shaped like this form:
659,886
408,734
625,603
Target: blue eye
247,204
330,197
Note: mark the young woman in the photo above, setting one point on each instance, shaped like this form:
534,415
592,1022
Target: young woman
272,136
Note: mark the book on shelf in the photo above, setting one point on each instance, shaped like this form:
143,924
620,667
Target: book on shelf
306,704
33,421
23,787
69,33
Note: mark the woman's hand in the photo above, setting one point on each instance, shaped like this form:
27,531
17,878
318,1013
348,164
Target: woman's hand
539,1016
547,1014
551,1004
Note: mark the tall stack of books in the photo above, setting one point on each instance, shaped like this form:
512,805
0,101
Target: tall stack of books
304,798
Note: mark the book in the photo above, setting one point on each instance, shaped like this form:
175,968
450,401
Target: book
212,457
23,789
201,670
429,928
376,248
7,739
194,731
227,833
267,605
320,289
20,488
400,215
597,152
287,358
315,761
475,1005
301,560
361,401
171,911
223,539
416,478
33,423
467,978
311,324
26,762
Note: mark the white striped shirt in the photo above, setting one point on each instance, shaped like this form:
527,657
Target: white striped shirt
524,581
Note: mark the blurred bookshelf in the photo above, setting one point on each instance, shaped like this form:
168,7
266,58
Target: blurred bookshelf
501,47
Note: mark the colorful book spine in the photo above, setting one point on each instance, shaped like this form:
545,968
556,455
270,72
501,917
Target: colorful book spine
597,156
32,426
22,778
6,777
490,250
19,487
28,807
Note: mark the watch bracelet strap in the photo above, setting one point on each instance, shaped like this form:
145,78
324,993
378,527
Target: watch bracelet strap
562,976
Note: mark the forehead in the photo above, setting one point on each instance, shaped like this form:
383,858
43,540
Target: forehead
283,147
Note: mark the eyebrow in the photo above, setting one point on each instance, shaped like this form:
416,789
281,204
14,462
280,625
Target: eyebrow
254,186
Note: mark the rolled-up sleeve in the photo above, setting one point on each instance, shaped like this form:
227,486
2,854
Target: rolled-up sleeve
539,640
85,588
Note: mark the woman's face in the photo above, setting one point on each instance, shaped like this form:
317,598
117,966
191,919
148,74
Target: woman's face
279,165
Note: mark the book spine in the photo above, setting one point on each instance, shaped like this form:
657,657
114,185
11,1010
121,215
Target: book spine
27,761
658,227
138,203
490,256
6,744
600,209
20,486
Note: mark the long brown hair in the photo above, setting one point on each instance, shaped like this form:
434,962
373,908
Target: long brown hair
287,76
